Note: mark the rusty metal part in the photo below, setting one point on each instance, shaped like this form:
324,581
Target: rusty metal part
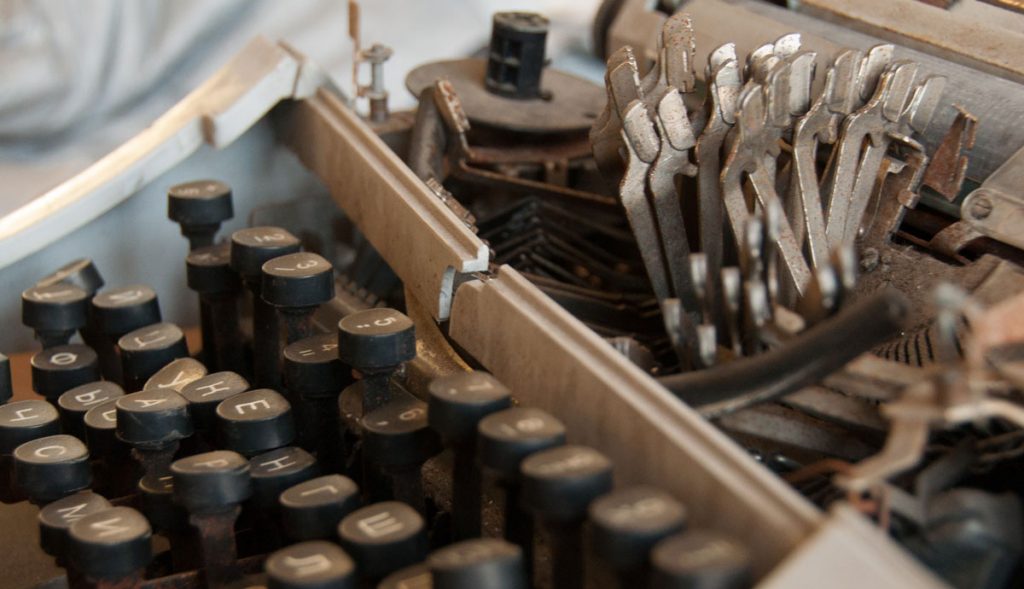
573,104
217,539
948,167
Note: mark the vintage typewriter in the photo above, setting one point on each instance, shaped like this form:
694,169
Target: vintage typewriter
747,315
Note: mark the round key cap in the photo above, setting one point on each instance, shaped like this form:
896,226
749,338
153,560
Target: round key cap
23,421
384,537
277,470
204,394
458,402
199,205
76,402
6,386
312,510
298,280
56,518
627,523
397,435
509,436
101,428
110,544
51,468
62,368
255,246
208,270
148,349
120,310
175,375
416,576
376,339
481,562
212,481
312,367
310,565
57,307
700,558
81,273
256,421
152,419
559,483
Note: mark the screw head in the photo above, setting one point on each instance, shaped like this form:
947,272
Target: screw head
981,206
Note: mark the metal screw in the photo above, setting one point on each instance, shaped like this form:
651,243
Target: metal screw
981,207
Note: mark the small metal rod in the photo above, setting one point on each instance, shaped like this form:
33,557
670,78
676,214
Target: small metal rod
217,544
406,483
225,334
266,346
467,487
565,541
156,462
298,322
518,524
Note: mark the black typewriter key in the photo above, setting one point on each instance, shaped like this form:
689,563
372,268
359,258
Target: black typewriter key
76,402
59,369
20,422
312,367
700,559
6,385
310,565
313,371
51,468
277,470
115,312
313,509
558,486
81,273
146,350
153,423
212,487
176,375
203,396
506,438
111,545
55,312
250,249
127,308
383,538
256,421
296,284
272,473
200,207
626,524
23,421
115,472
416,576
480,563
55,519
396,442
375,343
209,273
457,404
